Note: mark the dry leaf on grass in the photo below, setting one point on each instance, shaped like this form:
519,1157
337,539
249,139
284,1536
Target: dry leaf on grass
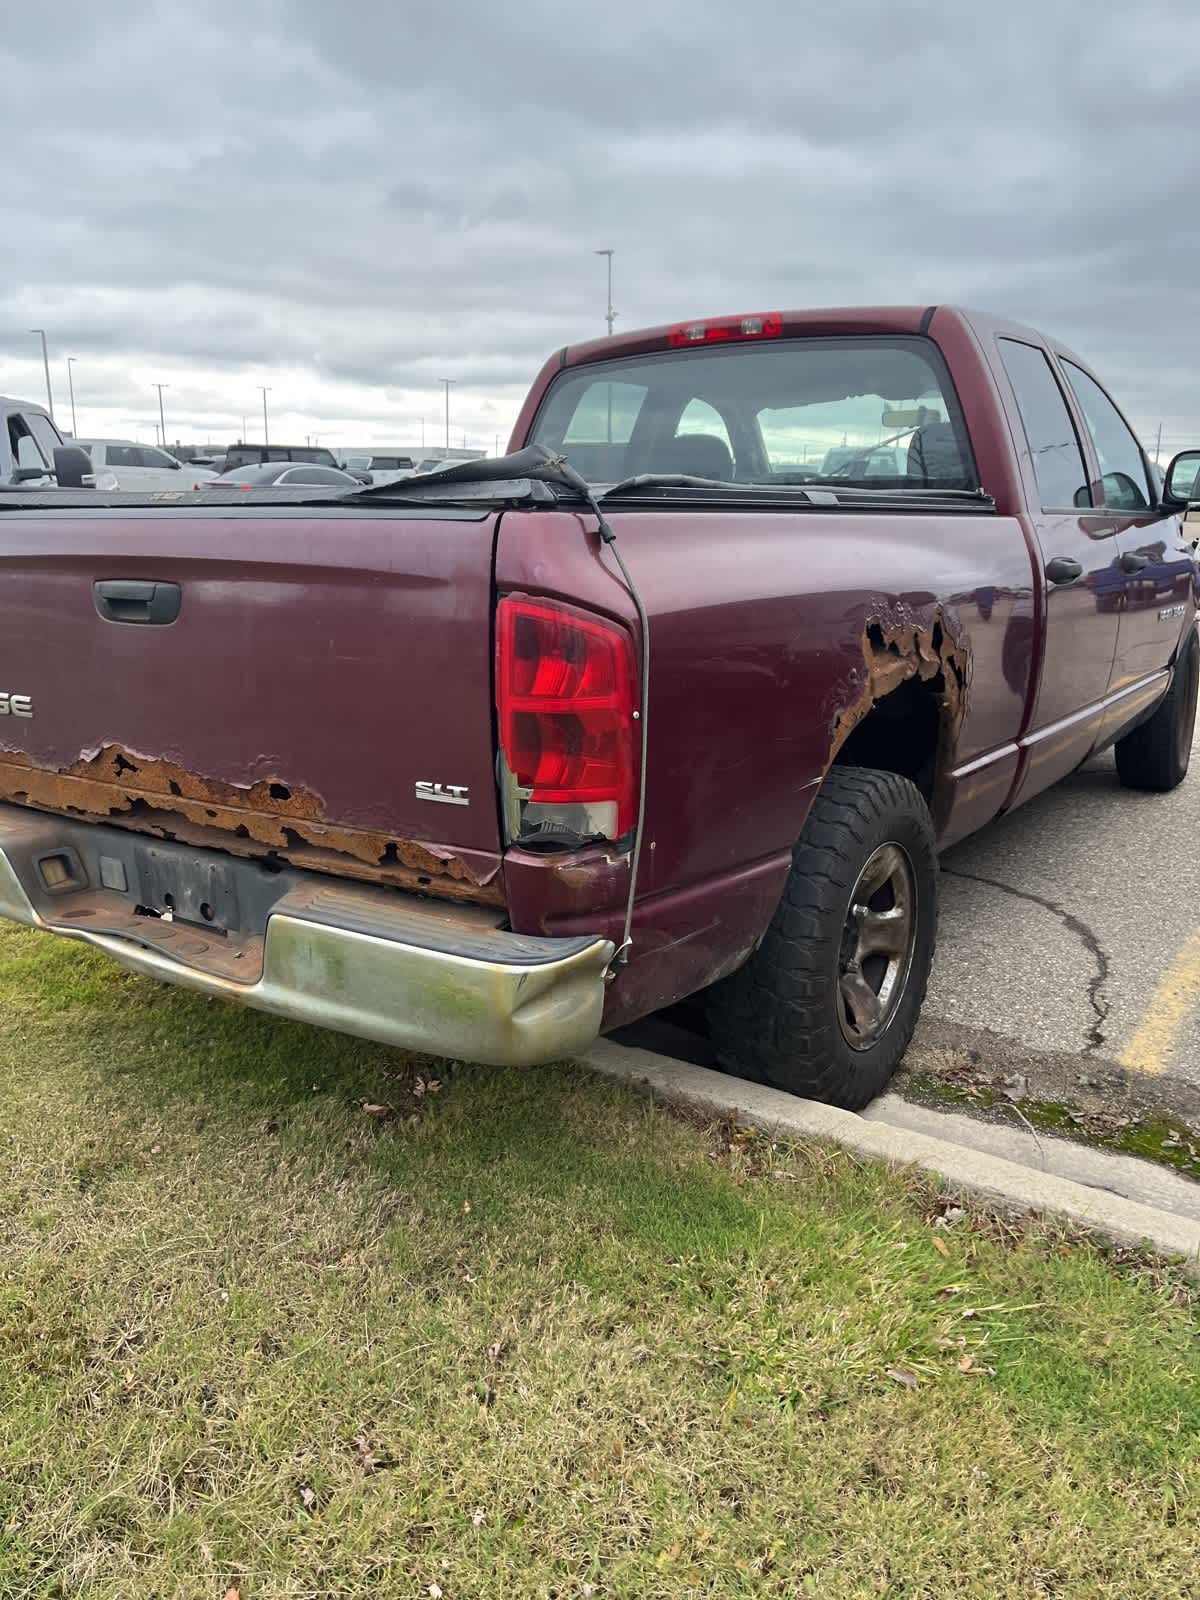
307,1498
370,1459
967,1365
434,1591
941,1246
381,1112
478,1517
903,1376
233,1594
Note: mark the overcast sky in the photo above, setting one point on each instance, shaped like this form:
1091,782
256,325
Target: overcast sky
349,202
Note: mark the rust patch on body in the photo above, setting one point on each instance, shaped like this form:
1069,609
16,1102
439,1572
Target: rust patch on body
160,797
895,652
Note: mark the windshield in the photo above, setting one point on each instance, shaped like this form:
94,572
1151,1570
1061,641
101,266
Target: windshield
803,410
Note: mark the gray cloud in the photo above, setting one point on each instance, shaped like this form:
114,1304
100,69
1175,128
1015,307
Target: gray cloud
351,202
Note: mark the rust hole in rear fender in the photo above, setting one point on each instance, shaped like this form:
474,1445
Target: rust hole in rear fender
895,650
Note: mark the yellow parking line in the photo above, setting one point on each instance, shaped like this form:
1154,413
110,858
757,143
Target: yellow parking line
1178,991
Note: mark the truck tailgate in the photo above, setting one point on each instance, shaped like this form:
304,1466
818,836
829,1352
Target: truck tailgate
321,669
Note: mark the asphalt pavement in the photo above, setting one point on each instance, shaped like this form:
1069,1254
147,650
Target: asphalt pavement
1069,942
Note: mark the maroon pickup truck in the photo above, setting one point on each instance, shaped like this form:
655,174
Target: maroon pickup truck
680,697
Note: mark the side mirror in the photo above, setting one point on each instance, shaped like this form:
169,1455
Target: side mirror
71,466
1181,486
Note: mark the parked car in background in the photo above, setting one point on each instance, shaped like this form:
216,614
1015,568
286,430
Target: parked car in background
192,455
31,451
142,466
437,463
253,455
878,462
382,467
288,475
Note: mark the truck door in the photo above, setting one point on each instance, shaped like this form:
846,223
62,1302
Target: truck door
1082,576
1156,559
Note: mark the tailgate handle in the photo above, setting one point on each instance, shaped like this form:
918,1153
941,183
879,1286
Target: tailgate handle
135,600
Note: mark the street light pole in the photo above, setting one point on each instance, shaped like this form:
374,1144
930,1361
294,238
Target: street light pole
46,365
447,384
266,389
71,387
610,316
162,426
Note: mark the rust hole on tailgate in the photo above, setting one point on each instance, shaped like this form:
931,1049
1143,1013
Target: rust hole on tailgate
266,818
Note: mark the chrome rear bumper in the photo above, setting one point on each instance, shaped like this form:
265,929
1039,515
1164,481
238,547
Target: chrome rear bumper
420,974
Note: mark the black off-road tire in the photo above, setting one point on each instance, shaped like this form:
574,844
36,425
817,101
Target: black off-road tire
1155,755
781,1019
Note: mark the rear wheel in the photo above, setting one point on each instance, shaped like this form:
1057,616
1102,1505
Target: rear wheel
1156,754
827,1004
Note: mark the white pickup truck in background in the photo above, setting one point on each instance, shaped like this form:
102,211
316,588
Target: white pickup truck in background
142,466
33,454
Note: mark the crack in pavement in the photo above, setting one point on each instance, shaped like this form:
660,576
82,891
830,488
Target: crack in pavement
1096,1037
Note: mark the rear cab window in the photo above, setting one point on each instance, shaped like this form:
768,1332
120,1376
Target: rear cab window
805,410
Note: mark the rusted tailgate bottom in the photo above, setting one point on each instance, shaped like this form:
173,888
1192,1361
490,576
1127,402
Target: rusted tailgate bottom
374,962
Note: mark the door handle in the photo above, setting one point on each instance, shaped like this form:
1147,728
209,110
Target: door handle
1131,561
136,600
1063,569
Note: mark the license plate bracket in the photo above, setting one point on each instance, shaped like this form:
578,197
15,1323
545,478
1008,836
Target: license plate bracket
193,888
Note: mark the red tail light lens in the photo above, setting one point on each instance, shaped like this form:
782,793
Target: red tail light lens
720,330
566,697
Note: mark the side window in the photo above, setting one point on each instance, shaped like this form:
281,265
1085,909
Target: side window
156,458
123,455
45,433
23,445
606,414
1122,465
699,417
1053,444
596,438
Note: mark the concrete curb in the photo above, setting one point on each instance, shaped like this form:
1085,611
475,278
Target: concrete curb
1001,1183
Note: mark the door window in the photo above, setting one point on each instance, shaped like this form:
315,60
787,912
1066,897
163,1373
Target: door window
46,434
1053,443
22,444
1122,465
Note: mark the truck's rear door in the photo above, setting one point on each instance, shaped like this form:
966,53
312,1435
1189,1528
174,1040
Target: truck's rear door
317,684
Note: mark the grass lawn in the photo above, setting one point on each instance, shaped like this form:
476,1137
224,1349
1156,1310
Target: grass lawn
528,1335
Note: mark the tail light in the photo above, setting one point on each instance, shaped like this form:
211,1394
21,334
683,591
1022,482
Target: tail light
566,698
720,330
